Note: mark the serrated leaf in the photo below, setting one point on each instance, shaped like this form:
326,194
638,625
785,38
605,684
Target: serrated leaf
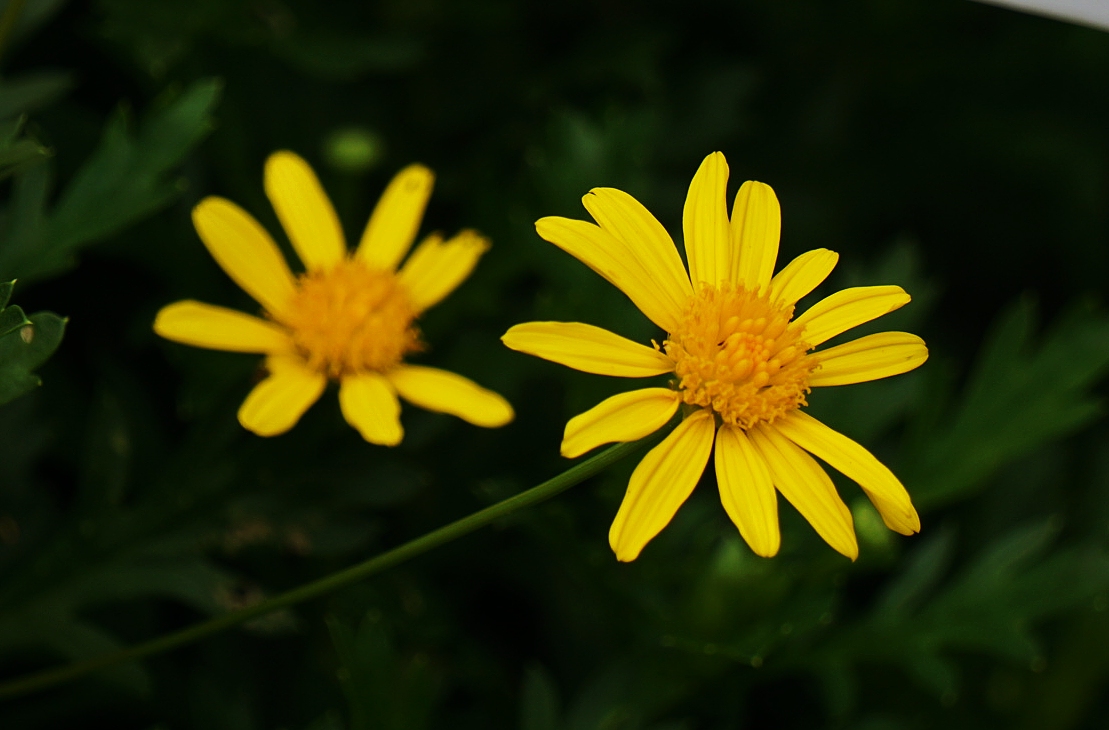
1022,394
23,351
129,176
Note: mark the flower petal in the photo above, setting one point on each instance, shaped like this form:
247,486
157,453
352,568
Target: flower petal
660,484
854,462
623,417
705,224
802,275
587,348
370,405
396,218
849,308
747,491
218,328
756,231
447,392
616,262
880,355
246,252
304,210
278,402
807,487
436,268
625,217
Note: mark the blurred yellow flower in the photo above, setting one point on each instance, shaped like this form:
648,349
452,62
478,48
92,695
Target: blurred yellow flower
349,317
742,364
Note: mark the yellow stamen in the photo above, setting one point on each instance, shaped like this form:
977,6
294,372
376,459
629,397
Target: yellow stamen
736,353
351,319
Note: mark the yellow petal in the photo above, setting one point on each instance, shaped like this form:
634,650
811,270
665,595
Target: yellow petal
218,328
625,217
747,491
705,224
854,462
278,402
869,358
370,405
623,417
446,392
660,484
756,231
396,218
807,487
849,308
616,262
587,348
436,268
245,251
804,273
304,210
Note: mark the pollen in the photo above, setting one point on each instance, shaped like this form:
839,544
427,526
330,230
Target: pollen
736,353
351,319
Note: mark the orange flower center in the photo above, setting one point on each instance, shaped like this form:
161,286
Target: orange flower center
351,318
736,353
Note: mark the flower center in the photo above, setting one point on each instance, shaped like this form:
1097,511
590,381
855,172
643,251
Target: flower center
736,353
351,319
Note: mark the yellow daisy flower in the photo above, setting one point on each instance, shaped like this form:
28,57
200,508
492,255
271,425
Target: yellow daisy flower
349,317
742,364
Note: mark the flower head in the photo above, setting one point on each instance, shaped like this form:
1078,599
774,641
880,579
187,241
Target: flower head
350,317
742,364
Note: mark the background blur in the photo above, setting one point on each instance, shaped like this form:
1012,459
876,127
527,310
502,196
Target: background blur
957,149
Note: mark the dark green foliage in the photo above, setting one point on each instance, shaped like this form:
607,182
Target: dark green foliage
958,150
127,178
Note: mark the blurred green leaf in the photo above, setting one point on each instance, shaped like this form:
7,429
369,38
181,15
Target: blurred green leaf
128,177
539,705
341,56
31,91
1023,392
33,15
385,691
991,606
17,153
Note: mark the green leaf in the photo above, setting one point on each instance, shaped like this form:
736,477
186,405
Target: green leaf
385,690
128,177
17,153
1022,394
346,57
539,705
31,91
11,318
33,15
26,349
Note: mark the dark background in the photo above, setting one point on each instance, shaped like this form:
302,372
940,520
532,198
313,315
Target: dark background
959,150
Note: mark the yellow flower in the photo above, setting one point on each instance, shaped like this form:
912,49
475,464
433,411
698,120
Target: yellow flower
742,364
349,317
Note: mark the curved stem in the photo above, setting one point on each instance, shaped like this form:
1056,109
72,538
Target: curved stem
572,476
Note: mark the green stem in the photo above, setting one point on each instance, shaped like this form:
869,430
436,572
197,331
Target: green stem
572,476
7,22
